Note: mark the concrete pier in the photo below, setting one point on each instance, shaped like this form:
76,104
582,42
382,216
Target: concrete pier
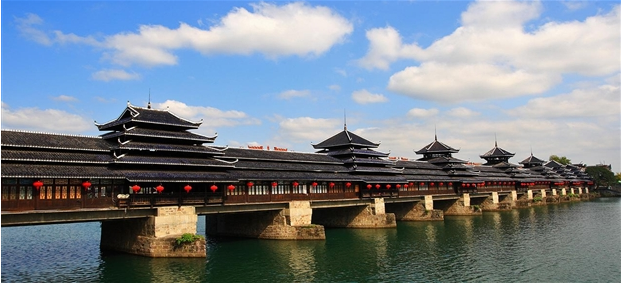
154,236
372,215
293,223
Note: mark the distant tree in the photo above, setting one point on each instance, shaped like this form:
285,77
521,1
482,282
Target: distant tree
562,160
618,177
601,175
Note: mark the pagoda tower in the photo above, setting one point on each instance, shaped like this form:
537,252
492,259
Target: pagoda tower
496,155
356,153
156,146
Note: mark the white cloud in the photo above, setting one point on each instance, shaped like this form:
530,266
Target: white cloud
307,129
289,94
365,97
64,98
334,87
599,101
275,31
44,120
26,27
422,113
213,118
457,83
462,112
491,54
110,75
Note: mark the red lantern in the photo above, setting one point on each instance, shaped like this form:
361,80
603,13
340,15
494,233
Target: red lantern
368,186
86,184
38,184
231,187
348,184
405,186
468,185
274,184
314,184
431,184
295,184
377,186
421,184
411,184
159,188
213,188
440,184
474,185
249,184
135,188
331,184
187,188
388,186
450,184
463,185
398,186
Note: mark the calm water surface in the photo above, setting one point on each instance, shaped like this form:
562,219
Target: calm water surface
573,242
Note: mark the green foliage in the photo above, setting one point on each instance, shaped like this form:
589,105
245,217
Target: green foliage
562,160
537,199
601,176
188,238
573,195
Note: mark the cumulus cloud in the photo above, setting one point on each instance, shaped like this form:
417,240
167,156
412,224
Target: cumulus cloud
292,93
492,56
462,112
456,83
365,97
580,103
422,113
114,74
44,120
307,129
213,118
291,29
64,98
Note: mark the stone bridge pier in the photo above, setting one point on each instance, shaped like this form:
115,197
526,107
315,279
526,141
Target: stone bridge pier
292,223
154,236
416,210
499,202
372,215
460,206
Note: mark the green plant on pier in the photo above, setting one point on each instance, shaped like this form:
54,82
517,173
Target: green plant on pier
537,199
188,238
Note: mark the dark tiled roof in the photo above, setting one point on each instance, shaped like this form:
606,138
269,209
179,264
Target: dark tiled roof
289,166
174,176
345,138
170,147
355,151
284,156
292,176
436,147
497,152
176,161
54,141
149,116
173,135
532,160
55,156
10,170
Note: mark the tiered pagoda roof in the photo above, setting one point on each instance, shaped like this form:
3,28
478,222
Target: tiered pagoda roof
436,149
532,161
356,153
496,155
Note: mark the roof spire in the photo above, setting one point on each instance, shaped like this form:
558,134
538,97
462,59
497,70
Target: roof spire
345,125
149,103
495,139
435,139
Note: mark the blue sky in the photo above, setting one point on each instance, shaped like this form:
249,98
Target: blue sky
541,77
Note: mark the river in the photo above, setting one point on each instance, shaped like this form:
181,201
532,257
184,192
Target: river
568,242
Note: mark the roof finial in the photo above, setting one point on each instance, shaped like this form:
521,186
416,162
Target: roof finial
345,125
435,139
149,103
495,139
